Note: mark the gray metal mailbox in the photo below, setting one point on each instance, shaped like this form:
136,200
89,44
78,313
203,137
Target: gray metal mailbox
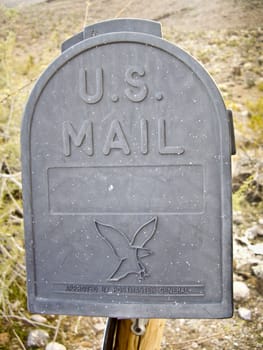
126,151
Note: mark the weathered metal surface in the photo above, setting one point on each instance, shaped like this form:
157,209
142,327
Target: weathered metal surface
112,26
126,153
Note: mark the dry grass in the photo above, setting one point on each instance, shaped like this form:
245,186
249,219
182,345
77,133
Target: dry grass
20,65
28,42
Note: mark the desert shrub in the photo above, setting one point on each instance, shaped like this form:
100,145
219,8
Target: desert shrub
255,122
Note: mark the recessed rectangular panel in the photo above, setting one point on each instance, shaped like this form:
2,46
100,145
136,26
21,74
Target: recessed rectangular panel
129,189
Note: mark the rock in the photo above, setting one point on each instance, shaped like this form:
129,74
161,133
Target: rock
255,191
244,313
242,241
249,79
223,87
244,270
258,271
245,114
39,318
257,248
260,60
255,231
259,81
37,338
241,291
252,232
248,66
238,218
87,343
99,327
55,346
260,221
243,255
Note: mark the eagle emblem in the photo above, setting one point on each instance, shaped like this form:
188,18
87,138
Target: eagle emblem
129,252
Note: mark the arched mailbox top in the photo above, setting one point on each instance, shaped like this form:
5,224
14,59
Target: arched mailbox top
126,146
130,38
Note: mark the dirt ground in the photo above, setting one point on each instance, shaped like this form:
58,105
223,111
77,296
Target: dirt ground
227,37
185,15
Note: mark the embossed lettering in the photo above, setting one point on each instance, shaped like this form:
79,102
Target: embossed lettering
116,139
191,290
81,288
83,86
70,135
141,90
144,136
163,148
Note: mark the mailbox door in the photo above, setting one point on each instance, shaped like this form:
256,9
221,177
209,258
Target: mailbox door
127,184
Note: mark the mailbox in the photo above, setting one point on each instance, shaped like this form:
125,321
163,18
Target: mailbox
126,159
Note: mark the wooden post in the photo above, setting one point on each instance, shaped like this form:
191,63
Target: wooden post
151,340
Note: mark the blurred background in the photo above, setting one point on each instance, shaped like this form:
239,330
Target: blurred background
226,36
